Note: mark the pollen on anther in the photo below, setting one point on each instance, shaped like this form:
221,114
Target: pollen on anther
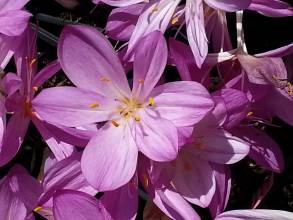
35,88
145,180
94,105
174,20
151,101
155,9
33,62
115,123
104,79
137,118
249,114
37,209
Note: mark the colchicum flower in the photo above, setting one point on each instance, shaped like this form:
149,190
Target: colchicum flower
145,119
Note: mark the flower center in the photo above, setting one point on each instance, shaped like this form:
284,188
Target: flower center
130,108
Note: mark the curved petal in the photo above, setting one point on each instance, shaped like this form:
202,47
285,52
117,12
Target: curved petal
65,174
272,8
281,104
229,5
183,103
7,5
90,62
223,187
264,150
13,23
121,3
13,137
47,72
194,179
255,214
75,205
196,31
10,206
26,188
126,201
237,106
150,59
109,160
219,146
10,83
72,107
59,148
156,16
174,205
121,22
153,131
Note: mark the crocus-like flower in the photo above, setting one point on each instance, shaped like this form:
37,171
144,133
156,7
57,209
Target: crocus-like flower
144,119
20,90
13,19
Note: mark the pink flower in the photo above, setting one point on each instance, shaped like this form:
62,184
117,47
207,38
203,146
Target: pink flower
143,119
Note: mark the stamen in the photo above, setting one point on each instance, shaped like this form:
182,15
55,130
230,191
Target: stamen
151,101
104,79
35,88
115,123
145,180
33,62
174,20
137,118
37,209
249,114
94,105
141,81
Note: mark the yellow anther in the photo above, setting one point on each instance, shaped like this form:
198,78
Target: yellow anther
37,209
104,79
275,77
141,81
145,180
151,101
35,88
137,118
94,105
155,9
33,62
290,87
249,114
174,20
187,166
115,123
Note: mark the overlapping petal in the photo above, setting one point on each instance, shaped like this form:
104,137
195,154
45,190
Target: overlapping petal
90,62
183,103
109,160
